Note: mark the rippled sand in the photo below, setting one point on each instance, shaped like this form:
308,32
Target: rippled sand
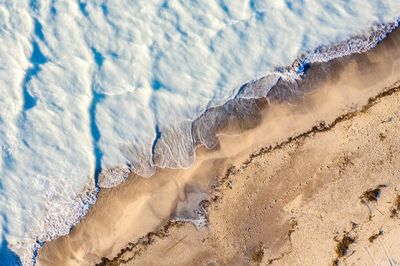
289,203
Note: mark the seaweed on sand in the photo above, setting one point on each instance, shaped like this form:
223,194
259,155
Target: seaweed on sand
258,254
371,194
343,245
394,211
375,236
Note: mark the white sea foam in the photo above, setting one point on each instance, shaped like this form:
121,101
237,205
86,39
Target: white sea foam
86,85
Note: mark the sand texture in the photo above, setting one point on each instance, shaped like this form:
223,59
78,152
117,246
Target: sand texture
294,205
286,188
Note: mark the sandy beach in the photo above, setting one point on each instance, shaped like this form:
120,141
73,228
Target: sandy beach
313,181
304,203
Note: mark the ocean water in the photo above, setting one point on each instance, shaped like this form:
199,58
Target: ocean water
92,90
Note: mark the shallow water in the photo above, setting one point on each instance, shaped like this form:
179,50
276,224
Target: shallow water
86,86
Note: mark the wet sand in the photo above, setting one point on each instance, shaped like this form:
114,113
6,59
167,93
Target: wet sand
294,188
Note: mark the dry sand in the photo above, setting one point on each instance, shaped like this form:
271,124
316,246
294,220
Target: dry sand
292,195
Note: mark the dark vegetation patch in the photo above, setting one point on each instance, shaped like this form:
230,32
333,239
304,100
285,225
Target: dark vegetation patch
342,246
258,254
375,236
394,211
371,194
140,246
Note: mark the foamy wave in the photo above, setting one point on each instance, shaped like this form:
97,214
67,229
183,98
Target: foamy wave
357,44
60,217
176,146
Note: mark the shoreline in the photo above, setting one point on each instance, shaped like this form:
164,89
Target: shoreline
221,154
216,192
166,153
374,216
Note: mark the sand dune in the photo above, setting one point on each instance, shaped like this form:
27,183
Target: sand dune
307,184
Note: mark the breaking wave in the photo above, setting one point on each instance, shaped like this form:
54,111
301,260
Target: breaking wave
175,147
